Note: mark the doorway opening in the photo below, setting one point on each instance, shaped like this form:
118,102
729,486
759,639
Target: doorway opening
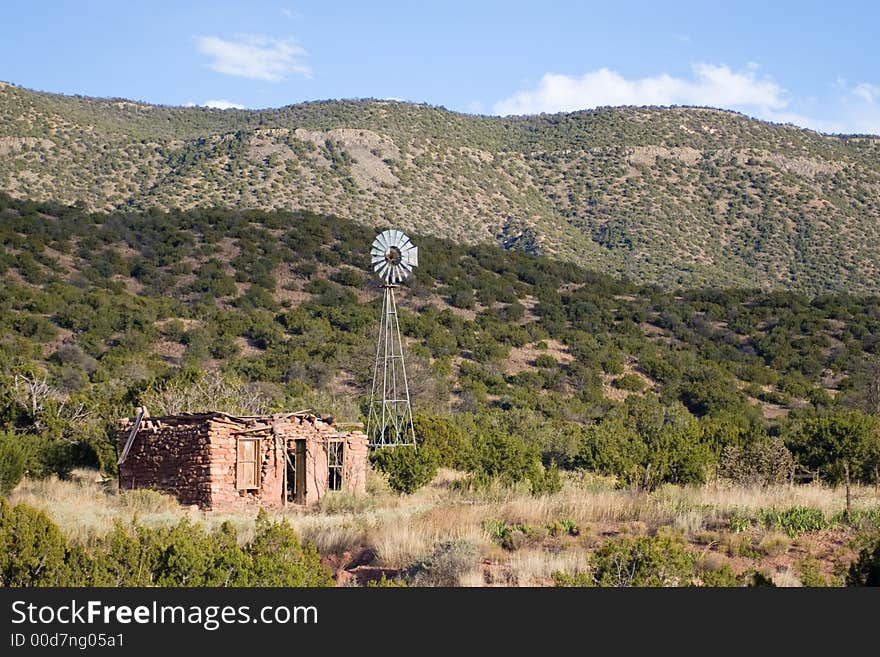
296,472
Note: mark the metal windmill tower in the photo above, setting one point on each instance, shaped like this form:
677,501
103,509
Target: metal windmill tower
390,420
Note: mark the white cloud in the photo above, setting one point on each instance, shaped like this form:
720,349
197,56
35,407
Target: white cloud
870,93
828,126
254,56
862,109
289,13
222,104
848,109
718,86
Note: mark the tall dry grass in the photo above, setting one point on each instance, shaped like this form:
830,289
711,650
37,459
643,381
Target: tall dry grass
86,505
403,530
535,567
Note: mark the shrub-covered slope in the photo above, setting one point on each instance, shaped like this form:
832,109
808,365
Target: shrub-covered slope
689,196
535,357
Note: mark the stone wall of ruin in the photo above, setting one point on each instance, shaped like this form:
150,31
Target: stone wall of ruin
355,466
224,437
194,458
317,436
170,456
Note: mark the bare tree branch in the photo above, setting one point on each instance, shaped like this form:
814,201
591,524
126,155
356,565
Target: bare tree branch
210,392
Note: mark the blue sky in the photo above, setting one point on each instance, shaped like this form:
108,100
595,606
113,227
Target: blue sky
812,65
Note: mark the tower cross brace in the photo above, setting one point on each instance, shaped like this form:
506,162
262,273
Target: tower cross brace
390,419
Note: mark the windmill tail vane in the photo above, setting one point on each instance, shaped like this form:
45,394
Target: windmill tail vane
390,422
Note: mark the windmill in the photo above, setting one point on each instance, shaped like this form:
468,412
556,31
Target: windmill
390,420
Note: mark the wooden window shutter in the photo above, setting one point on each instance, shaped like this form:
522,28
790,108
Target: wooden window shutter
247,465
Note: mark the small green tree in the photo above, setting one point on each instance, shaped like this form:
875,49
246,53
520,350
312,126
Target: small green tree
631,382
444,436
32,549
639,561
547,481
509,459
643,561
12,461
645,443
125,556
279,559
408,467
842,445
865,570
612,448
186,556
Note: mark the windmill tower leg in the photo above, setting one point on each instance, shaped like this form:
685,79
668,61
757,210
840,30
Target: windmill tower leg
390,420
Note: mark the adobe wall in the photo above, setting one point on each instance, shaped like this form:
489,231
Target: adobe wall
355,463
316,468
223,435
316,434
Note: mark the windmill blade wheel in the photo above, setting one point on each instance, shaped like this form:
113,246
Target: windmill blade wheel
393,256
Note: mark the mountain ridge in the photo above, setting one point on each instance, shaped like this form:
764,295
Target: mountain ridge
675,196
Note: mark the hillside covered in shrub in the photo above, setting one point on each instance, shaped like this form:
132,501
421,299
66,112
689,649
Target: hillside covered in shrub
678,196
519,364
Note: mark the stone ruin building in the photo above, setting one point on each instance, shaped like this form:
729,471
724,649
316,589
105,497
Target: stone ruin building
219,461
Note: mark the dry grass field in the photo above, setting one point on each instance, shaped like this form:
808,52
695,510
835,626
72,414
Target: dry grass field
504,537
